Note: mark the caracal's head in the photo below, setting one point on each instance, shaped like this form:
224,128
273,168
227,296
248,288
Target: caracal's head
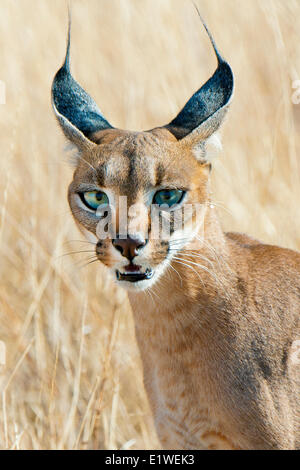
141,196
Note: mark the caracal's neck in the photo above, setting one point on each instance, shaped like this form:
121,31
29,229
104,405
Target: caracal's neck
199,273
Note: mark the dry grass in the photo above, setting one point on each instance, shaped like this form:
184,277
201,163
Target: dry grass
73,374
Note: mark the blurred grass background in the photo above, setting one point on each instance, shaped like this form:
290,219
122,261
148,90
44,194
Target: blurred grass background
73,374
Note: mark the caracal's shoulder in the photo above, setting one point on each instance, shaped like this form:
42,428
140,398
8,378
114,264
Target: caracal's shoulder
264,255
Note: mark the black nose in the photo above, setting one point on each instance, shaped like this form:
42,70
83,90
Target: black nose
130,246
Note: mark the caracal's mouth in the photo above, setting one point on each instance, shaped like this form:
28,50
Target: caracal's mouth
134,273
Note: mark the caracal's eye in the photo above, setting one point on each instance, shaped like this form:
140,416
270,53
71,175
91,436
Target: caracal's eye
168,197
94,199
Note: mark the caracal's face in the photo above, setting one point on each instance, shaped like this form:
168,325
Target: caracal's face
141,197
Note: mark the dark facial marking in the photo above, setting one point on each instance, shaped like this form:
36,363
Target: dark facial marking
260,357
160,173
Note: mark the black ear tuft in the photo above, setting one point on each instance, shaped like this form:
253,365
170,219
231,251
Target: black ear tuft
72,102
212,97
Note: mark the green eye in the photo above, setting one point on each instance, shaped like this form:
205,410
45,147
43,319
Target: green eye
94,199
168,197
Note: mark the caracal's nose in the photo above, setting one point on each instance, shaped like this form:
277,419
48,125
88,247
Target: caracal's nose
130,246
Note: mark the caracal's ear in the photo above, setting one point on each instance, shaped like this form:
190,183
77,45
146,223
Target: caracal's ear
205,111
76,112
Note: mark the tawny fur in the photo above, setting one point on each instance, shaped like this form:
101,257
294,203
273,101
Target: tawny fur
216,339
216,352
217,320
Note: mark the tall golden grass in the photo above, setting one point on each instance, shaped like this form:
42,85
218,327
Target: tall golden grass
73,377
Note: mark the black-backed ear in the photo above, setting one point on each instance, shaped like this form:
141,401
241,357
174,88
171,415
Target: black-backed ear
205,111
77,113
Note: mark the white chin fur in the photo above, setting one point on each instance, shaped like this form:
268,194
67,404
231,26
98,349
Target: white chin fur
136,286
